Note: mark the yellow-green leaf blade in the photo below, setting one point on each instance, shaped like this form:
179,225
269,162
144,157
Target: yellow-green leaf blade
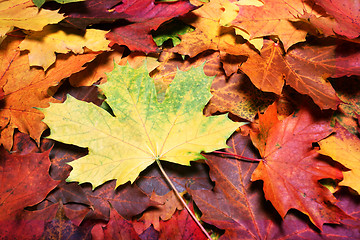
143,129
86,125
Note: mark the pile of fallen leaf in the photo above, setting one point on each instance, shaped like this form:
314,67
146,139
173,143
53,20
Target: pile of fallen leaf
95,92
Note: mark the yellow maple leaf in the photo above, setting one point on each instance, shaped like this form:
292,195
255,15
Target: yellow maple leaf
25,15
144,130
344,147
53,38
212,32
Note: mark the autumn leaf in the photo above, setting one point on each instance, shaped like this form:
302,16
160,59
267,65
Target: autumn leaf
170,62
191,61
234,204
209,32
164,211
180,226
346,15
237,205
144,22
18,175
344,148
291,169
143,16
62,227
348,91
53,39
152,181
239,96
119,228
28,225
266,70
128,200
96,69
174,130
266,122
276,17
305,68
26,88
66,192
234,94
90,12
25,15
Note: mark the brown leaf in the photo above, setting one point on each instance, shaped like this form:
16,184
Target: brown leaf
164,211
237,95
266,71
348,91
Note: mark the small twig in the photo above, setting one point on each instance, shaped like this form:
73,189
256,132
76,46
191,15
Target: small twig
239,156
182,200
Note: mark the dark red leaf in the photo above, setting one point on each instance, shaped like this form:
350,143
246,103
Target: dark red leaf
119,228
28,225
61,227
82,14
181,226
151,180
128,200
146,15
235,204
238,206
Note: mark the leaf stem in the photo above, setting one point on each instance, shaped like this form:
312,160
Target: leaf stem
182,200
239,156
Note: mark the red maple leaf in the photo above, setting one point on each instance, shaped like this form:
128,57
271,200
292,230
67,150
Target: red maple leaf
291,169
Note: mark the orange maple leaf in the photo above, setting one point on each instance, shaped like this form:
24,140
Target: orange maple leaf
26,88
276,17
304,68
